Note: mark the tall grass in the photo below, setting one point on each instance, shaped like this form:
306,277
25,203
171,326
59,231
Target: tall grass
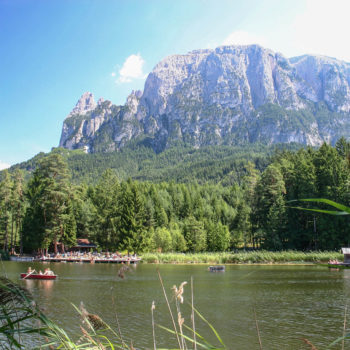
252,257
24,326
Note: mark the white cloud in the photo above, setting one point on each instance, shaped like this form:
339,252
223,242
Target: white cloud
132,69
4,165
323,28
113,74
241,37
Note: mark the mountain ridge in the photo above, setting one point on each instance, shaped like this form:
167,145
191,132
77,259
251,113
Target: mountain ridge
229,95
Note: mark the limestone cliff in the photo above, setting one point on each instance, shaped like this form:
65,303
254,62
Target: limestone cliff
229,95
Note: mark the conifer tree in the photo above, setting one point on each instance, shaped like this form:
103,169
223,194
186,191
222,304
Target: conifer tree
5,208
18,208
49,196
132,219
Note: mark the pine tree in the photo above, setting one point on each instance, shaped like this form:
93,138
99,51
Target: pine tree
105,199
5,208
18,209
132,219
270,213
195,235
49,218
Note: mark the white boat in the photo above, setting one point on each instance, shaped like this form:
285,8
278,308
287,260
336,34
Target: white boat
216,268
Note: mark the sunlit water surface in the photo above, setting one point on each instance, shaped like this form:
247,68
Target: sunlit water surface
290,302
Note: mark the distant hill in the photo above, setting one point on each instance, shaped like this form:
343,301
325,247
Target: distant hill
233,95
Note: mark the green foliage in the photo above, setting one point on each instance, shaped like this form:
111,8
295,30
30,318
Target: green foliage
132,218
243,257
195,235
162,239
180,163
270,212
218,237
50,216
4,255
221,204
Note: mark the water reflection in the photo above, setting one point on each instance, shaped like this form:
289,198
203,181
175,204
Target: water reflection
45,286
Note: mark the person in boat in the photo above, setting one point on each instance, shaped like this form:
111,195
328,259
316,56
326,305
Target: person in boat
333,262
48,272
30,271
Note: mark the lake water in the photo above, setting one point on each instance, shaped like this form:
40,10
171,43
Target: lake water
290,302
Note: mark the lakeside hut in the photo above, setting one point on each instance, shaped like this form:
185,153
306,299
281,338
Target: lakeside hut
83,246
346,252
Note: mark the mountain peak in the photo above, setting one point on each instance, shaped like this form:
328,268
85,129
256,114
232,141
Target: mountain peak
86,103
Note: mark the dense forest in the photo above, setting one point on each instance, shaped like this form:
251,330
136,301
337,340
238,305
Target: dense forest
48,209
182,164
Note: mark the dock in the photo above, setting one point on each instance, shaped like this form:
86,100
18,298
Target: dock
95,260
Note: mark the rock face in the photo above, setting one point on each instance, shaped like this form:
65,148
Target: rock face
230,95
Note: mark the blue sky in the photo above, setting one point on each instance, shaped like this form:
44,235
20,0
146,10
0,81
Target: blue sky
52,51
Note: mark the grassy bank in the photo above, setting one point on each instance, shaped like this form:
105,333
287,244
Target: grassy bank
253,257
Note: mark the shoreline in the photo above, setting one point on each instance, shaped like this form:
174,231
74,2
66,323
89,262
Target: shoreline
243,258
293,263
254,258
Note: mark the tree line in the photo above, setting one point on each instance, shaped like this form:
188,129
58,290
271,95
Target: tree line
50,211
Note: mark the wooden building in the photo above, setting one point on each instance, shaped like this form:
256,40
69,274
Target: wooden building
346,252
83,245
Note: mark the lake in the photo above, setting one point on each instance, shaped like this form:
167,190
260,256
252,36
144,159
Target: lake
290,302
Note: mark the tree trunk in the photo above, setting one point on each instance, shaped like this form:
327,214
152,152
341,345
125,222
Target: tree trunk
11,241
21,241
6,235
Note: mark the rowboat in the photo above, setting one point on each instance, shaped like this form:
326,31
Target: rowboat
216,268
37,276
339,266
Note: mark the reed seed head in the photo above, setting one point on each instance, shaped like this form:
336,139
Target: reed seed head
180,320
178,292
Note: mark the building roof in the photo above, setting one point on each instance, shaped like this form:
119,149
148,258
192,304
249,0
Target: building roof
345,250
84,243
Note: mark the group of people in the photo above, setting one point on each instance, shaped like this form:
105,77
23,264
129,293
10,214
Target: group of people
83,256
333,262
47,271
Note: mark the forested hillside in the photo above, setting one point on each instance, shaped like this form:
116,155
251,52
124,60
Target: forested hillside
224,164
249,209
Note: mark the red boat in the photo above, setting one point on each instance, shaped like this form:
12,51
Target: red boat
37,276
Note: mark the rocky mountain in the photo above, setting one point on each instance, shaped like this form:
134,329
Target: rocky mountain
230,95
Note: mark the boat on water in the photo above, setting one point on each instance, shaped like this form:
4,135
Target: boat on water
216,268
37,276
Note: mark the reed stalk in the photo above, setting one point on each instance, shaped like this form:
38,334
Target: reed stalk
153,331
257,328
118,324
169,308
344,327
192,317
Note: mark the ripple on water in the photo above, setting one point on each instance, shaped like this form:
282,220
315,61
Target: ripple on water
291,302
